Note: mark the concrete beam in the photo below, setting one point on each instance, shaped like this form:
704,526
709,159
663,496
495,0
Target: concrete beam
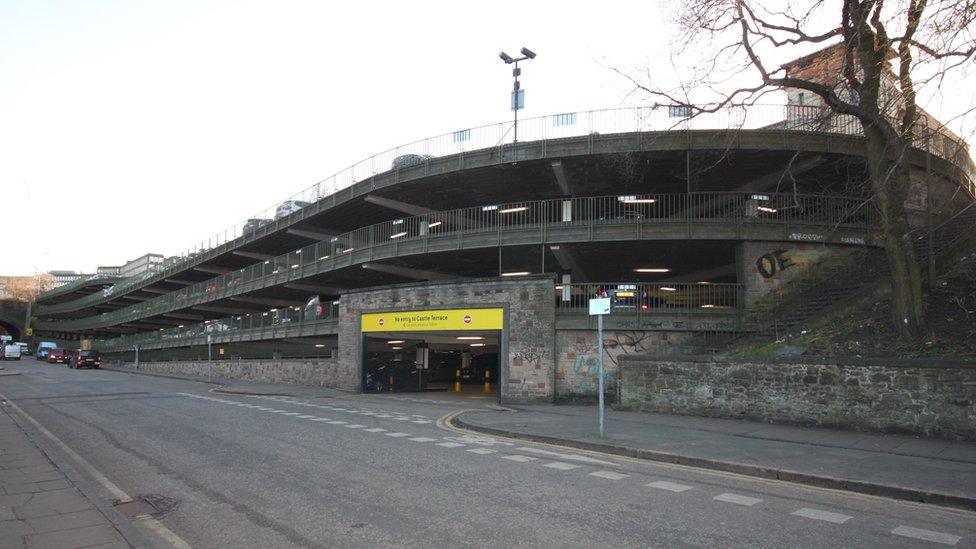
252,255
314,235
409,209
704,275
567,261
327,290
757,185
213,269
156,290
227,310
178,281
561,177
409,272
268,301
184,316
133,297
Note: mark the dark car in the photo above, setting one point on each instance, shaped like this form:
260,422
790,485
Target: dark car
57,356
86,359
253,224
407,160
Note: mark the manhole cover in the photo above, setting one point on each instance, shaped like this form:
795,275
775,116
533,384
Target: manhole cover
152,505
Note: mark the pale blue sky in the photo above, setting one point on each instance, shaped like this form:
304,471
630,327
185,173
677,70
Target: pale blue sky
133,127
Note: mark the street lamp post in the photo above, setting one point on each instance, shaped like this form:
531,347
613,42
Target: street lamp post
518,95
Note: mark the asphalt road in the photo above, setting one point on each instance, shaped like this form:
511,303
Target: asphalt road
379,470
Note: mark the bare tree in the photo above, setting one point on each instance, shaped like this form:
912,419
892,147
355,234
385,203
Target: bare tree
881,52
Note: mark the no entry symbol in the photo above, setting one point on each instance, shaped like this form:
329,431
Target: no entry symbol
467,319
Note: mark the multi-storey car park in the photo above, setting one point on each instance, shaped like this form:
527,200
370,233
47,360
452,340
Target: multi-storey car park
469,253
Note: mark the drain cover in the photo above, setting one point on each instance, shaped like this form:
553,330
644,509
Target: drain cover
152,505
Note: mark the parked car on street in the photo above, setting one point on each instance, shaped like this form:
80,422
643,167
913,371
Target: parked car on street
57,356
25,349
86,359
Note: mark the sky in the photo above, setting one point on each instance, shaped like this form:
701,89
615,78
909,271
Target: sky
133,127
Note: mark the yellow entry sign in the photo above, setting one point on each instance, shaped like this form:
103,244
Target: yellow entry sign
441,319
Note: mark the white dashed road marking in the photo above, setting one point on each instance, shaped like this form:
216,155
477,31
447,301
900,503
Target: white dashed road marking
338,422
669,486
353,426
450,444
321,419
568,457
420,421
374,430
305,417
561,466
518,458
398,435
610,475
817,514
481,451
737,499
423,439
926,535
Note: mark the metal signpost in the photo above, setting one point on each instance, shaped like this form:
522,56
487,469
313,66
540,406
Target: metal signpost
210,355
598,307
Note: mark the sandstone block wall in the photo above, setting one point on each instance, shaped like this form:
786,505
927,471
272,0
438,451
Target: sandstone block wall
916,397
320,372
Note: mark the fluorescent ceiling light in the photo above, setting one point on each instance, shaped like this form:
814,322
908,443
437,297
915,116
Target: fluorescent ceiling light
477,344
434,224
323,257
652,270
320,345
395,341
469,338
668,289
766,209
347,250
295,266
396,348
489,208
398,235
513,210
516,273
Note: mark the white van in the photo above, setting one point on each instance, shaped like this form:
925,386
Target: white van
11,351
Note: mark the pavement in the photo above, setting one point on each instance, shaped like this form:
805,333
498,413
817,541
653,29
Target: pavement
39,506
941,472
252,465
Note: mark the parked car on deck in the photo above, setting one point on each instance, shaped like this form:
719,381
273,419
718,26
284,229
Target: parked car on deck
289,207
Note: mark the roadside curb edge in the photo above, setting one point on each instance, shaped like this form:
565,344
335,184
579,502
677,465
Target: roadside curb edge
786,475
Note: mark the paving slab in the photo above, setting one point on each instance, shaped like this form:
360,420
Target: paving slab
931,470
39,506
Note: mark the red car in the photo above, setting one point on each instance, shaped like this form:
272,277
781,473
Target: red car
57,356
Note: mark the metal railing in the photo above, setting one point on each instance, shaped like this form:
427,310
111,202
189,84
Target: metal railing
80,283
580,219
553,127
224,328
632,300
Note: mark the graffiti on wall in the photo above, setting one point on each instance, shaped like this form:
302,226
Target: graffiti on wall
773,262
586,365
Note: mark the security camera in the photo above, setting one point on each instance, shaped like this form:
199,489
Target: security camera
505,57
528,53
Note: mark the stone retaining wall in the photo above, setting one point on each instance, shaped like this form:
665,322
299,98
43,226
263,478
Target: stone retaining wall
319,372
917,397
